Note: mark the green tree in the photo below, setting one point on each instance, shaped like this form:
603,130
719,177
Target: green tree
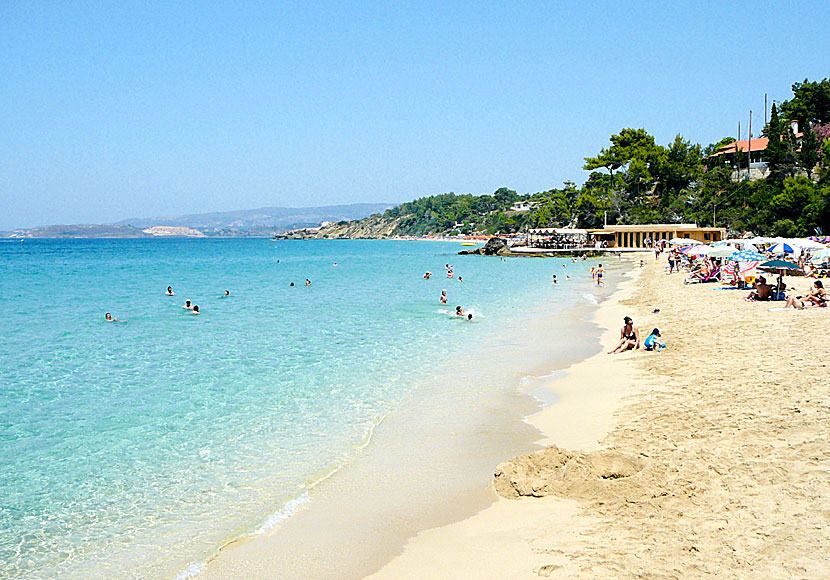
808,156
811,102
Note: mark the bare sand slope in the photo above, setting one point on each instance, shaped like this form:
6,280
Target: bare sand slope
718,464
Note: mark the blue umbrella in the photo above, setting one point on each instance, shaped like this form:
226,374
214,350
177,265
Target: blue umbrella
747,256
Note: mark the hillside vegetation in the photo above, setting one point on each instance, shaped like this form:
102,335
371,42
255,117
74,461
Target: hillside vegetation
636,180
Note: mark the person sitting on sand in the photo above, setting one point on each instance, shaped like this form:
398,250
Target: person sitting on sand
816,297
108,317
629,337
443,299
187,305
170,291
195,309
652,343
762,290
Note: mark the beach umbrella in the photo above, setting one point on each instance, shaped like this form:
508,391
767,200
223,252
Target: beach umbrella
780,266
785,248
721,251
806,243
683,241
747,256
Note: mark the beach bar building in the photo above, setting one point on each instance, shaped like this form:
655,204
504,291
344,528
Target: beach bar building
638,236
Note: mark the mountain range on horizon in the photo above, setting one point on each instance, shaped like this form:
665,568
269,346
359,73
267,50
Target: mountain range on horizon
254,222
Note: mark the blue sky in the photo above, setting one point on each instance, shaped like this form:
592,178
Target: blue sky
109,112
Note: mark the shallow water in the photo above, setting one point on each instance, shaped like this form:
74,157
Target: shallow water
138,447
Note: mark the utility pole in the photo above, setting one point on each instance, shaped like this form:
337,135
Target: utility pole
749,155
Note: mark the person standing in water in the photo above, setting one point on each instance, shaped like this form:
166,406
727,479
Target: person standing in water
600,272
108,317
195,309
443,299
170,291
187,305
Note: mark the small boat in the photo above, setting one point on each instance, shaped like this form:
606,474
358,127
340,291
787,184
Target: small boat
468,244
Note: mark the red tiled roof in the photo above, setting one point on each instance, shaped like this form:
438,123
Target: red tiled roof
758,144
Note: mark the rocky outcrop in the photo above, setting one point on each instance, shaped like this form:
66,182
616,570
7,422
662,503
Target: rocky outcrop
372,227
493,247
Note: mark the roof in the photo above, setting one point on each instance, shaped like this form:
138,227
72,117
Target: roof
757,144
656,228
563,231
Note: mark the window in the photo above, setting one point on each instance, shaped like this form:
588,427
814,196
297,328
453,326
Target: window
706,237
638,239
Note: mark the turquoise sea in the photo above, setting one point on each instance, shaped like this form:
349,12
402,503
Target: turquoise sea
135,448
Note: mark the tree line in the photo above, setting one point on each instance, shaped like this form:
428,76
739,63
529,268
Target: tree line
636,180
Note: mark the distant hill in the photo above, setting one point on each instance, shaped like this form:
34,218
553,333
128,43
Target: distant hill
263,222
271,218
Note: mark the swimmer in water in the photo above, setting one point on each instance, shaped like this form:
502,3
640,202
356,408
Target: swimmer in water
460,311
427,275
195,309
226,294
443,299
187,305
108,317
170,291
554,279
470,317
568,277
307,282
460,279
335,263
292,284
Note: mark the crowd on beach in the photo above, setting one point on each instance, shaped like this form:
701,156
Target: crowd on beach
732,265
746,263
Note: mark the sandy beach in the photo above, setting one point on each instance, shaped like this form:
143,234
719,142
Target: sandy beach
709,459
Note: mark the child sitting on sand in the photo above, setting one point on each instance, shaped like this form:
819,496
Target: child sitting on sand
652,342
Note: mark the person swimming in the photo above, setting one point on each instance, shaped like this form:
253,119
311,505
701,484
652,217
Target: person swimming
460,311
554,279
292,284
469,317
460,279
427,275
108,317
187,305
443,298
170,291
195,309
227,293
307,282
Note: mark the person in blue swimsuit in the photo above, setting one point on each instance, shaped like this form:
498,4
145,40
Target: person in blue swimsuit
652,341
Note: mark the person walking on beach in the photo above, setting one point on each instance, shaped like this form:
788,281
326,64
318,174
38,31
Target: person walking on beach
629,337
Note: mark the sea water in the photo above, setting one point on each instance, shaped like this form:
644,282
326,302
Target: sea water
135,448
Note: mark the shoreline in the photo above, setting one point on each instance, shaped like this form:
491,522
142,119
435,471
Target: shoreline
490,544
255,557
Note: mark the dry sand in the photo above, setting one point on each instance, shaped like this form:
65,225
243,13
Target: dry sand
710,459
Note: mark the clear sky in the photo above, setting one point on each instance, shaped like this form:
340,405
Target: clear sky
109,112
